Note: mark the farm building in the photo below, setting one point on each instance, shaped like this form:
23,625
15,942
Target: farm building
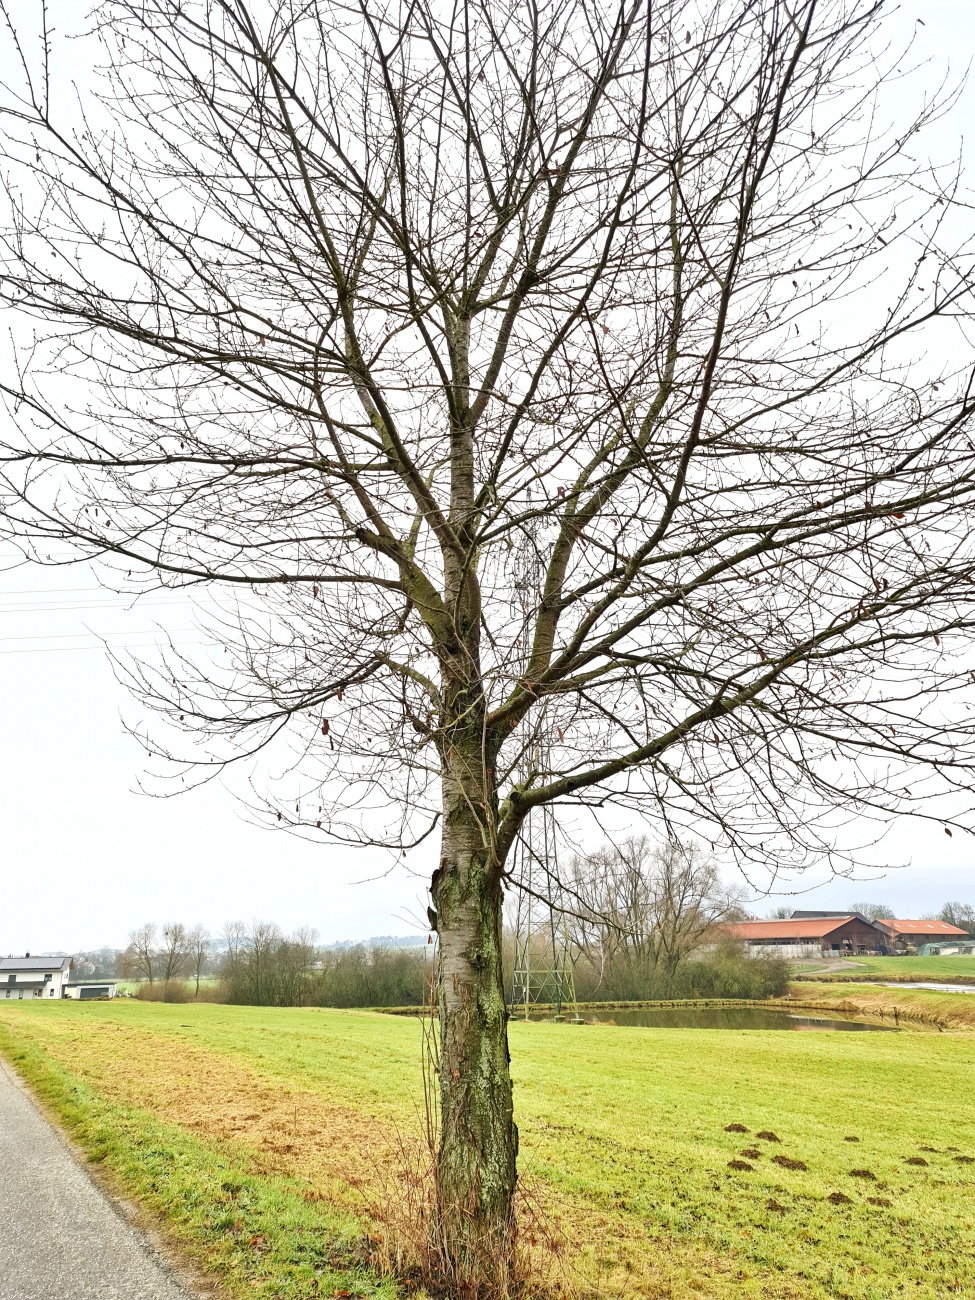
33,977
912,934
823,936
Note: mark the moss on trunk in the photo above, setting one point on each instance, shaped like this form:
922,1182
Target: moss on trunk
478,1138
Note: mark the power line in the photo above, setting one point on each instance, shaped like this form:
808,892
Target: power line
77,649
126,602
66,636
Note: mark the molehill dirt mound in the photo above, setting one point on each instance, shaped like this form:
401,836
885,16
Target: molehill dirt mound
786,1162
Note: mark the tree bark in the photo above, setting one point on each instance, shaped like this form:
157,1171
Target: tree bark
478,1137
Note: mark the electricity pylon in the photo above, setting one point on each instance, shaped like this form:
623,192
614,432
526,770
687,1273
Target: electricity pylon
542,963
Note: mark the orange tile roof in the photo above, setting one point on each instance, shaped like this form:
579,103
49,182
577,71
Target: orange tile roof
814,928
923,927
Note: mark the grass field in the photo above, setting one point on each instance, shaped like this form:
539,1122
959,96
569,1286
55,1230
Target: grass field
260,1137
960,969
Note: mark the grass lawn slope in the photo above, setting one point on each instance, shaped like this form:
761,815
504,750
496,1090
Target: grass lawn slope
959,969
261,1138
932,1008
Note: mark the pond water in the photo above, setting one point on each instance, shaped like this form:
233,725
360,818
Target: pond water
717,1018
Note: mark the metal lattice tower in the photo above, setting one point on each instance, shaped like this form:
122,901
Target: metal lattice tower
542,963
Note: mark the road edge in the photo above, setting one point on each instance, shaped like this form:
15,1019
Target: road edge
149,1234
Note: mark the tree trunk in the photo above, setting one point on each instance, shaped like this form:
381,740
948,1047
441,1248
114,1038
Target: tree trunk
478,1137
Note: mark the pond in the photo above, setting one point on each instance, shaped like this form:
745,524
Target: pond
716,1018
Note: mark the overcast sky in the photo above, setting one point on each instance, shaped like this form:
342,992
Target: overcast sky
85,857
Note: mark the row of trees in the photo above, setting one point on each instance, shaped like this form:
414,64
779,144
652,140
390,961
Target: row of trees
260,965
285,971
640,920
264,967
272,969
635,915
170,952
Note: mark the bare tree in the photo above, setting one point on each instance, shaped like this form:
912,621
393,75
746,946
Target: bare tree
294,961
960,914
254,962
174,949
235,941
873,911
141,955
651,905
514,373
199,948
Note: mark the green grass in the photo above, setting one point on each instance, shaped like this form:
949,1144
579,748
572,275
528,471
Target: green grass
257,1234
623,1130
960,969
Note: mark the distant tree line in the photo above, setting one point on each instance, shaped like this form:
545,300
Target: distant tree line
260,965
645,921
640,922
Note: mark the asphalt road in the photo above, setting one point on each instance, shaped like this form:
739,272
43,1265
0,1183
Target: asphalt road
60,1237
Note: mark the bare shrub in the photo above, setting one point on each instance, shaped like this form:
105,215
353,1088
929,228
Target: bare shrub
371,977
165,991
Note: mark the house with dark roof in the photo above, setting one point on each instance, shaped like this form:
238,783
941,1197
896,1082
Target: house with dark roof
33,977
822,936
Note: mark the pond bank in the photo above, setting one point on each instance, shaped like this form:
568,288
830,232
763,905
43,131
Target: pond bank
923,1008
915,1008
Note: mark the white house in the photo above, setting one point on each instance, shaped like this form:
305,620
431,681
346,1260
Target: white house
33,977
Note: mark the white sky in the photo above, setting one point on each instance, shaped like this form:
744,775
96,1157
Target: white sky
85,858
